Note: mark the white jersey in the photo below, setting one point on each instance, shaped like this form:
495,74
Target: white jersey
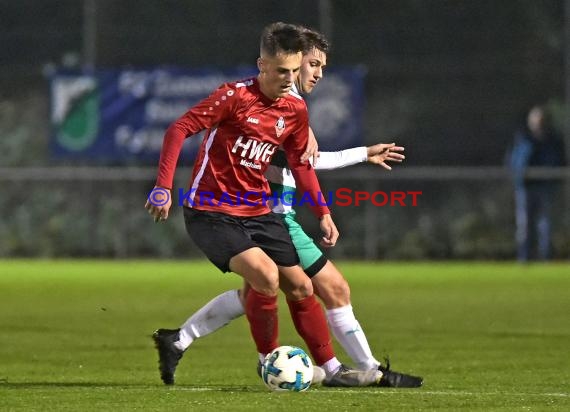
281,179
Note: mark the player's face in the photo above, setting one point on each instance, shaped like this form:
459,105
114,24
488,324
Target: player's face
312,68
278,73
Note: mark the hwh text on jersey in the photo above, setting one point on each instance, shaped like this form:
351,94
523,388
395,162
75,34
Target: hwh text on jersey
253,149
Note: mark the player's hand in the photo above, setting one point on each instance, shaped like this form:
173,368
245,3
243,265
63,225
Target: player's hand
158,203
312,151
330,232
381,153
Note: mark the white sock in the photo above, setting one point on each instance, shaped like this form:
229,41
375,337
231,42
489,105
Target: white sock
212,316
331,366
350,335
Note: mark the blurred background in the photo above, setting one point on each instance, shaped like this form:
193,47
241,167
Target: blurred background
451,80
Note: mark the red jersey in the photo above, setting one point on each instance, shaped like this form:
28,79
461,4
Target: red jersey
244,129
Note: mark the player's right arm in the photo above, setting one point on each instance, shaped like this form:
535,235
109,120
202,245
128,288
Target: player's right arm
204,115
312,151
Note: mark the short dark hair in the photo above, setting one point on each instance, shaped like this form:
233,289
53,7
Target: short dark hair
316,39
283,37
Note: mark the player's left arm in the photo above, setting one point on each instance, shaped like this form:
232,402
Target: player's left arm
376,154
306,179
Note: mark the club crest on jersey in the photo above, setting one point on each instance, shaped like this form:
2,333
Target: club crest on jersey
280,126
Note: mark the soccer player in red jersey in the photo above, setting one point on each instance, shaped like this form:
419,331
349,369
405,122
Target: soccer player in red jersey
328,282
226,213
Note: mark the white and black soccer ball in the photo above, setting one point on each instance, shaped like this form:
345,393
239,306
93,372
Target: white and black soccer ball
287,368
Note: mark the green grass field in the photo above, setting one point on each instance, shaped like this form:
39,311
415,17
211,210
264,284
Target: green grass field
75,335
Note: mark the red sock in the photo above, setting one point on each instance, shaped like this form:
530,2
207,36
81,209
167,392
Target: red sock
261,312
311,324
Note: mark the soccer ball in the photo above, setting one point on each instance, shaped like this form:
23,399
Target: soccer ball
287,368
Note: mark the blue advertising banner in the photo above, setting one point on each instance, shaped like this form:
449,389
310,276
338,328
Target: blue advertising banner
121,115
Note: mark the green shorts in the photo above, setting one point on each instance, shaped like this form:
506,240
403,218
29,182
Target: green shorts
311,257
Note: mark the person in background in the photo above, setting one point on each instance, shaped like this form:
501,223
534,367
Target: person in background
536,145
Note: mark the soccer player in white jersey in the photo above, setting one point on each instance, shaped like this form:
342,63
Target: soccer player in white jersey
329,284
